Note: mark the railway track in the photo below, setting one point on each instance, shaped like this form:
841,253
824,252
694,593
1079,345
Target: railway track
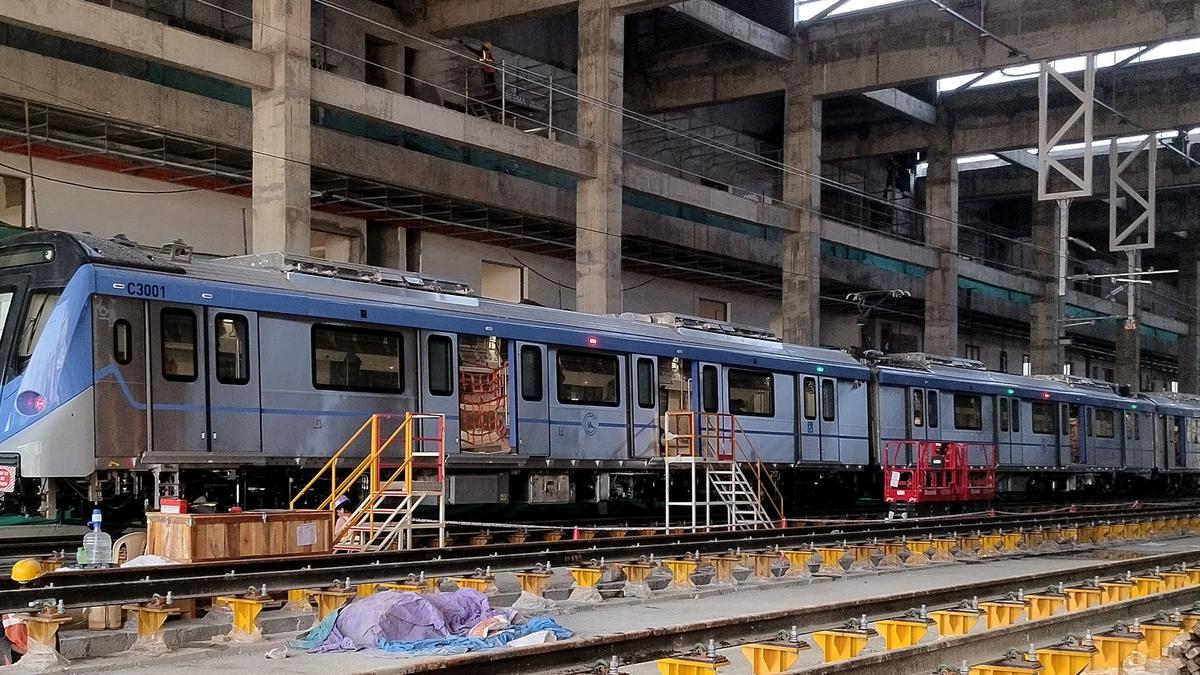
639,646
80,588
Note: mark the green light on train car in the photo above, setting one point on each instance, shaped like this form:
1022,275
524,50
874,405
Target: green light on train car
1010,392
1133,406
820,369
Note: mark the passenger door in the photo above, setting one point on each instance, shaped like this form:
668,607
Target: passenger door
810,429
179,403
533,402
643,406
830,434
438,356
916,414
235,423
119,361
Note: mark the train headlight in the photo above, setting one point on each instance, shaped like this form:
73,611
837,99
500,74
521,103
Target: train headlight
30,403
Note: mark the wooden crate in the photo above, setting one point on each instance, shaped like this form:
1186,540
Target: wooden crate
195,537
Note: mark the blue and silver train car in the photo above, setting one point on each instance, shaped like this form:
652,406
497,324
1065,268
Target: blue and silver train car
1177,433
1049,433
129,373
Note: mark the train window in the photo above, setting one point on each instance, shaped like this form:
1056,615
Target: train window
646,387
357,359
1043,418
588,379
5,305
531,373
931,409
231,332
1128,426
1003,414
441,365
968,412
708,389
26,255
178,337
810,398
122,342
751,393
37,312
1104,423
646,391
1137,427
918,408
828,400
1016,415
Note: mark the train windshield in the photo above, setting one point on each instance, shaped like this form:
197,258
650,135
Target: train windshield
41,306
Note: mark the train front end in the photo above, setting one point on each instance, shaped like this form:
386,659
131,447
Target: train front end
47,421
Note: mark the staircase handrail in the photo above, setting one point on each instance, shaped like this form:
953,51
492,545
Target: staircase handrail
372,462
338,489
774,496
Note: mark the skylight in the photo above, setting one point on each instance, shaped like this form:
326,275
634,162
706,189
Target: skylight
1072,64
807,9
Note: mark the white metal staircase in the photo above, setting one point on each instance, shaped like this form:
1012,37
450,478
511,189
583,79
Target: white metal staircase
744,508
705,449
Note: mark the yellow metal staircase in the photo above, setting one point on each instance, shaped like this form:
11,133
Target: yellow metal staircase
399,482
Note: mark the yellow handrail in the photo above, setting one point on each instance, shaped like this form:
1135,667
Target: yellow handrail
339,488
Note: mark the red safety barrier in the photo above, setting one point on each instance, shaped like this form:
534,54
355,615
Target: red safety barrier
922,472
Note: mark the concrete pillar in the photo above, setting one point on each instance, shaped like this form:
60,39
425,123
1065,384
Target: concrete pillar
386,246
601,75
801,254
1045,350
941,234
282,130
1189,344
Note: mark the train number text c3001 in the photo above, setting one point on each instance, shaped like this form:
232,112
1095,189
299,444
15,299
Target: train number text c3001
141,290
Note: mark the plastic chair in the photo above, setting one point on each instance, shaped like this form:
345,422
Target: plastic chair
128,546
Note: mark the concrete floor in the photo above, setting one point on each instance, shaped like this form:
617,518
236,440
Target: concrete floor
611,619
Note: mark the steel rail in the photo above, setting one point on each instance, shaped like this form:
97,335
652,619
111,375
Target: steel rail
568,551
89,587
641,645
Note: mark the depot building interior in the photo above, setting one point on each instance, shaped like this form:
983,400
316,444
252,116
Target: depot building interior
603,302
846,174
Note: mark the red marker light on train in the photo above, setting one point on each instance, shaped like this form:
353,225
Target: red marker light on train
592,340
1045,394
30,403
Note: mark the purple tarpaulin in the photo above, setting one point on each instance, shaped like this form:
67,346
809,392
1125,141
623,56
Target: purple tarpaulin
398,617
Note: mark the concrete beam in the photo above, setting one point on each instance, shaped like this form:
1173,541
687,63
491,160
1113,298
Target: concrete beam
906,104
426,118
894,48
129,34
451,18
737,28
1010,124
675,189
1019,158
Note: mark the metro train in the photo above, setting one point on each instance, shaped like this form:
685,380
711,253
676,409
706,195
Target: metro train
129,375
